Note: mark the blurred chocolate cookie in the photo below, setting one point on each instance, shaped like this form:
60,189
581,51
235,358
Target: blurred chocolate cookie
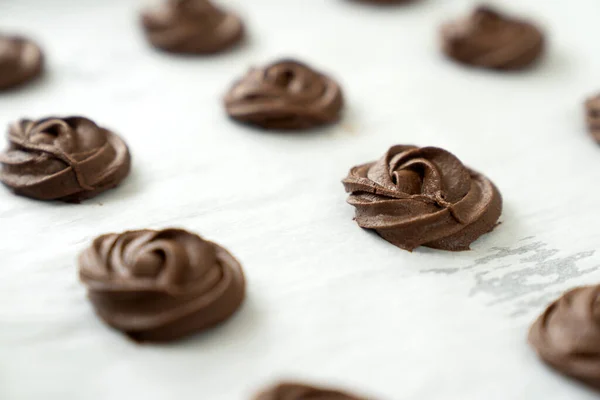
191,27
567,335
21,61
385,2
299,391
592,111
489,39
286,95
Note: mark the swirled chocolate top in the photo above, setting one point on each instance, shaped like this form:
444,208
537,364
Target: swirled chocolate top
423,197
69,159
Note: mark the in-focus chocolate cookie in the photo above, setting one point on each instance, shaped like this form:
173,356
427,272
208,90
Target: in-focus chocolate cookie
69,159
592,110
489,39
192,27
298,391
567,335
159,286
21,61
423,197
286,95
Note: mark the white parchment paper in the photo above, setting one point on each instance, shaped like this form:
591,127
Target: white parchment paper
327,302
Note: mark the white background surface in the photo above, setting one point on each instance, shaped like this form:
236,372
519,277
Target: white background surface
327,302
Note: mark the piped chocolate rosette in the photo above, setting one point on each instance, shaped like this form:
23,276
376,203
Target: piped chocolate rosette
191,27
423,197
21,61
159,286
69,159
567,335
298,391
286,95
489,39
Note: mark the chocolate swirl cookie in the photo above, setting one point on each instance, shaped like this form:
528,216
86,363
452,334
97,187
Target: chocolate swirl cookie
492,40
285,95
69,159
158,286
297,391
191,27
567,335
592,108
423,197
21,61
